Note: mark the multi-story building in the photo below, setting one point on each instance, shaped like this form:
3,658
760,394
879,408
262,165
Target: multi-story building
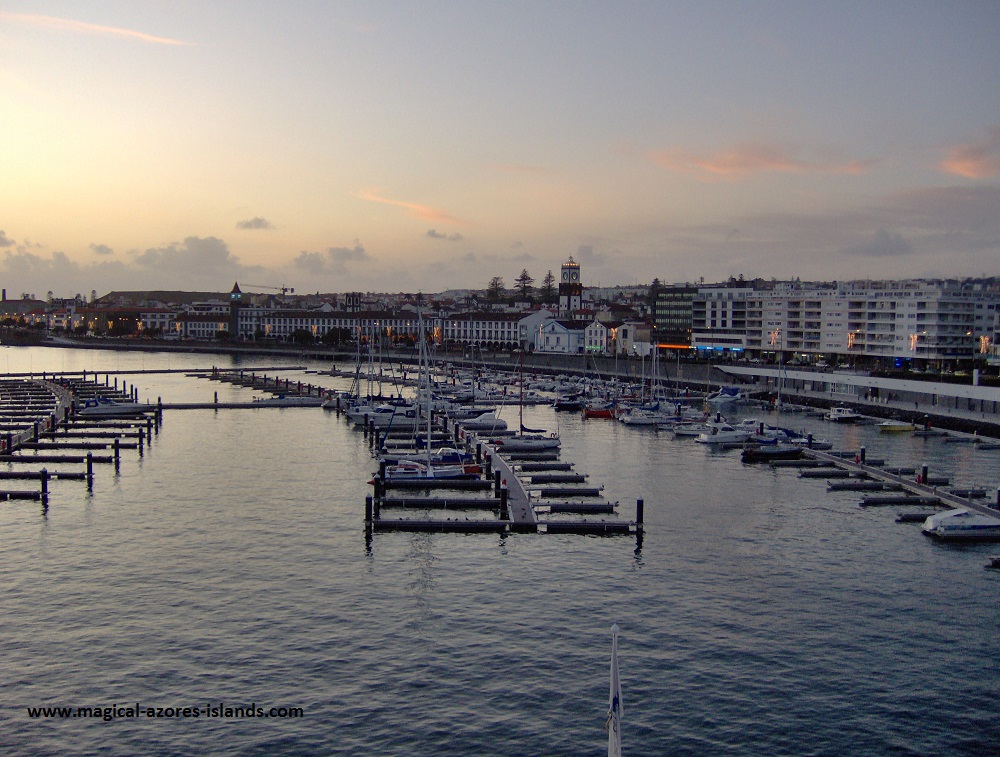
672,315
919,323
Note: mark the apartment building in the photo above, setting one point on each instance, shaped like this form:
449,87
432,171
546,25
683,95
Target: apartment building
915,322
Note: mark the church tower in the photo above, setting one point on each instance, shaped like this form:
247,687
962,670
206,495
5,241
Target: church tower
570,289
235,303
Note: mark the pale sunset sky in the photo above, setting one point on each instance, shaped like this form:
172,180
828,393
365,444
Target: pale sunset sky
424,146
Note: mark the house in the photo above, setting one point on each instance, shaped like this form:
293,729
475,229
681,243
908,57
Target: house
561,336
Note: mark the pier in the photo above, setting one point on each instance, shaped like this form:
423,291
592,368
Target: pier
520,490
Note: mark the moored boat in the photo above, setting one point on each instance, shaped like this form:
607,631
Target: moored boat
962,525
842,414
894,427
105,407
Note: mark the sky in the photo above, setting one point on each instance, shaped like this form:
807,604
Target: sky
427,146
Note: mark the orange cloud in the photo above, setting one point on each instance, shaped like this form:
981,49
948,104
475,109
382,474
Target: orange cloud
416,210
749,159
82,27
978,160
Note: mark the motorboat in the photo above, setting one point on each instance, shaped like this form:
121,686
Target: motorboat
385,415
106,407
894,427
485,422
688,429
288,400
962,525
725,395
842,414
638,416
723,433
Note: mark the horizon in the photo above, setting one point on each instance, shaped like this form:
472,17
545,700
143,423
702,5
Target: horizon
392,148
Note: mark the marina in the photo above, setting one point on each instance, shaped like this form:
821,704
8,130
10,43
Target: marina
245,536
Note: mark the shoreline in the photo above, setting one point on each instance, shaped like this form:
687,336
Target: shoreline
687,374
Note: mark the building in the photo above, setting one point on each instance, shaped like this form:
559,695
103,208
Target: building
562,337
570,289
912,323
672,315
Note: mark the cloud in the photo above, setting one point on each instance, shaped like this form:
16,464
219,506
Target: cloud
435,234
195,258
255,223
882,245
333,261
101,249
5,241
82,27
750,159
418,211
977,160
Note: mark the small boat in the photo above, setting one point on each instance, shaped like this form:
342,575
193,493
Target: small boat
485,422
842,415
569,402
894,427
528,442
689,429
105,407
384,416
725,395
413,469
962,525
803,441
599,410
638,416
723,433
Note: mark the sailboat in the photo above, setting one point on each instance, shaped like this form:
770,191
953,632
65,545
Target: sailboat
430,466
528,439
615,711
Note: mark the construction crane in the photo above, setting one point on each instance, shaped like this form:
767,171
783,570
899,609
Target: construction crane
283,290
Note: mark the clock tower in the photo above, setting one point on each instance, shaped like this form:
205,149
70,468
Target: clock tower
570,288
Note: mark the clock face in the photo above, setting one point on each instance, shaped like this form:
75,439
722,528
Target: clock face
575,275
565,275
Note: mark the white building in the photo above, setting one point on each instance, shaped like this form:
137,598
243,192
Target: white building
929,322
562,337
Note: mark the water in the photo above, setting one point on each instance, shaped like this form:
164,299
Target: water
762,615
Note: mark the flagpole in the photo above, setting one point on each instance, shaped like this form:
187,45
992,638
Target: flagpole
615,710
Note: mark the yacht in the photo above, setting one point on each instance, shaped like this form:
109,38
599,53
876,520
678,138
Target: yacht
842,415
962,525
105,407
723,433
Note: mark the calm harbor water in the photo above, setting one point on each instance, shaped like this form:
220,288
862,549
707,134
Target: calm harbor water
762,614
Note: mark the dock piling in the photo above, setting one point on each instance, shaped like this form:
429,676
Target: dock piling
90,471
639,512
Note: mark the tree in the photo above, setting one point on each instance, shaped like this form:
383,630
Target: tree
496,289
548,289
523,285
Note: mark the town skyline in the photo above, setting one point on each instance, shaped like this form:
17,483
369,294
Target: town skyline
430,147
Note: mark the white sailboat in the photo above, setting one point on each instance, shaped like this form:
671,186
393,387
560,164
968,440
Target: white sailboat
615,710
